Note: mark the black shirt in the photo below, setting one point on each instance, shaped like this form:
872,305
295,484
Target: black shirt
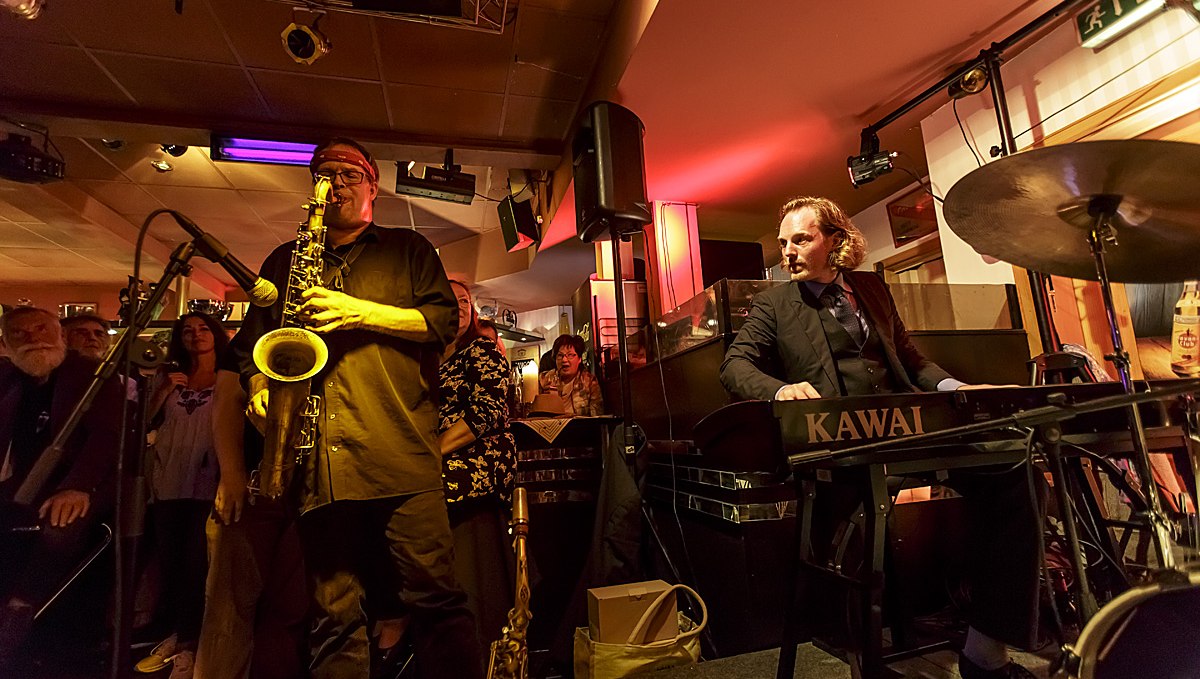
30,434
379,420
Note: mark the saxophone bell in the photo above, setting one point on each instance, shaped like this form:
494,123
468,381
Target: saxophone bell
290,354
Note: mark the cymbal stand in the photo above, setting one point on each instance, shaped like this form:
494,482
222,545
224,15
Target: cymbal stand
1103,210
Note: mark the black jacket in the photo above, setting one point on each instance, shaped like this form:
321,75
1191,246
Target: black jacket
783,342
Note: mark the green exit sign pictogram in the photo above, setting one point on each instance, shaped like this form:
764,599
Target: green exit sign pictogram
1102,21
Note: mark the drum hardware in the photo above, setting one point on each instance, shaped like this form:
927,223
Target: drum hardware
1104,211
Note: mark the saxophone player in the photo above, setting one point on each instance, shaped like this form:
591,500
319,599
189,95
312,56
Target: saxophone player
372,487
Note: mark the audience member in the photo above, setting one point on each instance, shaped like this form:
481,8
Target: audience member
578,388
90,335
479,461
40,385
183,482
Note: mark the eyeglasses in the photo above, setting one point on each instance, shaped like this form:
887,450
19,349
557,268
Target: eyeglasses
567,355
348,177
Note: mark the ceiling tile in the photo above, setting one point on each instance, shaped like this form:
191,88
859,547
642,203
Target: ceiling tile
33,204
277,206
80,236
57,258
55,73
533,119
442,214
444,113
256,28
122,197
327,102
438,56
264,177
392,211
557,43
193,168
145,28
83,162
9,211
195,88
532,80
197,203
16,236
47,28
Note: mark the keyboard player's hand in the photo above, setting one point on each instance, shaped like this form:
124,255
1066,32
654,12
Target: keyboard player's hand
796,392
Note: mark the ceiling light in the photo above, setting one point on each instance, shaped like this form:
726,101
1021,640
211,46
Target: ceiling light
113,144
161,165
870,161
973,81
447,183
261,151
26,9
304,44
175,150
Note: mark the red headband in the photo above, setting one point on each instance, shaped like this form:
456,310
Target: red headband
352,157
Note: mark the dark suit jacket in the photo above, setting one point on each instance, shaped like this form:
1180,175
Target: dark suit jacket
783,342
89,461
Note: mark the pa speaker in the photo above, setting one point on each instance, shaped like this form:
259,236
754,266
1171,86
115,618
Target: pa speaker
610,177
518,224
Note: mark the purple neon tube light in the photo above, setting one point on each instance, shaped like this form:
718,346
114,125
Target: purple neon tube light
262,151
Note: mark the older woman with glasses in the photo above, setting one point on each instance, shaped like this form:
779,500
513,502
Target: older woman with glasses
578,388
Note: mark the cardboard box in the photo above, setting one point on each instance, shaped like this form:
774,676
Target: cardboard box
614,611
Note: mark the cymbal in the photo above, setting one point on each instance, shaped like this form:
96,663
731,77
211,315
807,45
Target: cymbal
1037,208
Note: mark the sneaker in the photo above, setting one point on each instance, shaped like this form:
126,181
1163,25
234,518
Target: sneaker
184,660
162,655
1012,670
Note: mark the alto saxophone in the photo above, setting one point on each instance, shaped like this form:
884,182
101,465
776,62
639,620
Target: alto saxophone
289,357
510,653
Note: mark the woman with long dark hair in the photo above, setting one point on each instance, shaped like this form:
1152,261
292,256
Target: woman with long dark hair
183,482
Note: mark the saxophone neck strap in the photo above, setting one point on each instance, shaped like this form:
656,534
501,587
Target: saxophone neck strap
338,267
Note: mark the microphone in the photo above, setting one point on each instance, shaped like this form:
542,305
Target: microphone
261,291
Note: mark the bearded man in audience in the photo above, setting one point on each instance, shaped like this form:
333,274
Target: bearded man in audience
59,498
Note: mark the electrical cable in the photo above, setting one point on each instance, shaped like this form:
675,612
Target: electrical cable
963,129
928,188
1041,522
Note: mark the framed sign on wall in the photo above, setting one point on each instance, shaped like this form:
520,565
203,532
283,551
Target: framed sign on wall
911,216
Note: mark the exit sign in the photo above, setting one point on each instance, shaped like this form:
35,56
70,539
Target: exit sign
1102,21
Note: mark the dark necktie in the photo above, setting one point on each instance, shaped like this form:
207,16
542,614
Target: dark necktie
834,299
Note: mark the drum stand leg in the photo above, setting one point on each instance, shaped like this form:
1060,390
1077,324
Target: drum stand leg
1104,209
1049,436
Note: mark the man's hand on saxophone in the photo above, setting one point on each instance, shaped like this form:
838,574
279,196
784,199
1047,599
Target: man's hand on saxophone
328,310
256,406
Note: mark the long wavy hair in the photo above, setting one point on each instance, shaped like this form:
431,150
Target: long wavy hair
180,355
473,331
850,247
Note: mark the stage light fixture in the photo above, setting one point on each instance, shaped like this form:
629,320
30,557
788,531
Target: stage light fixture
175,150
261,151
870,161
26,9
305,44
973,81
113,144
447,183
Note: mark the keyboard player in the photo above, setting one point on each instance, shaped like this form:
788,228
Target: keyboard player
835,332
